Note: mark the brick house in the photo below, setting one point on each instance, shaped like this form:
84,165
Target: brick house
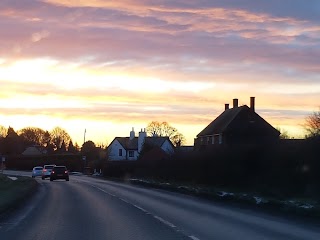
237,125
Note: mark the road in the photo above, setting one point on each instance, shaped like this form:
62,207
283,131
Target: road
92,208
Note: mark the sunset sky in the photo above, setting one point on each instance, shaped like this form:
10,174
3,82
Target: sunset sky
107,66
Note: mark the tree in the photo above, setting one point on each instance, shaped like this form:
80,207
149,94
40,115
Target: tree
58,136
3,132
72,148
33,136
12,142
178,139
283,133
63,147
90,151
165,130
312,124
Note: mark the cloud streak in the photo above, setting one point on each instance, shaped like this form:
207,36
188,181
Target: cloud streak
143,60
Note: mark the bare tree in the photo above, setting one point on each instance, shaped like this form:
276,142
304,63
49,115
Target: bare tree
178,139
165,130
312,124
3,131
283,133
33,135
59,136
154,129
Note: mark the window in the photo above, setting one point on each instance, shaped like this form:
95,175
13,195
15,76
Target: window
131,153
120,152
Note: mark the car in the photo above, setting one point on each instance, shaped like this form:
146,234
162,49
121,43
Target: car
46,172
37,171
59,172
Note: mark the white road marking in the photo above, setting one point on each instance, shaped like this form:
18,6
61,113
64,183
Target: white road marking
194,238
124,200
103,190
142,209
167,223
12,178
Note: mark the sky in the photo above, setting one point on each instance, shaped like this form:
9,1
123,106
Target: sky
108,66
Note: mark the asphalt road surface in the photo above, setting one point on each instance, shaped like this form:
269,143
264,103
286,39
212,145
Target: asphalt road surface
91,208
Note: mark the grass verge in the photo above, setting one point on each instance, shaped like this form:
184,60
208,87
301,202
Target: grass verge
15,192
304,207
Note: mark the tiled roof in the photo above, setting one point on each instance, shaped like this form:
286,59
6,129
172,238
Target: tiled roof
238,119
127,143
132,144
221,123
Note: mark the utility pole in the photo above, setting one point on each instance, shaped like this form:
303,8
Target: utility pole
84,158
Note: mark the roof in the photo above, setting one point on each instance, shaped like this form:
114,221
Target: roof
127,143
155,154
34,150
237,119
132,144
221,123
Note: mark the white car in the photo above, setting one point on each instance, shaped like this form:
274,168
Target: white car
37,171
46,171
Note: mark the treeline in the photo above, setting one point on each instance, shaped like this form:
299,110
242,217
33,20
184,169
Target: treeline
56,147
286,168
57,140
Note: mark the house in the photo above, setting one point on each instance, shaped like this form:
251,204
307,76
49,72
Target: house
237,125
129,148
34,151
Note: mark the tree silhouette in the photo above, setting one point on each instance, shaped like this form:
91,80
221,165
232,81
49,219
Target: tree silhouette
88,147
12,143
72,148
312,124
165,130
283,133
63,147
33,136
90,151
58,136
3,131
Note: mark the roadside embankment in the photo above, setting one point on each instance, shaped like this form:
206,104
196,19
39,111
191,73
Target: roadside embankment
14,191
306,207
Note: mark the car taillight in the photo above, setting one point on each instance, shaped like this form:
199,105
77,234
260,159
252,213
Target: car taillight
66,172
45,170
52,171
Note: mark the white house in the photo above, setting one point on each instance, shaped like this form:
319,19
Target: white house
129,148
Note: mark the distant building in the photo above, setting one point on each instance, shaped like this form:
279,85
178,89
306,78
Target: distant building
34,151
129,148
237,125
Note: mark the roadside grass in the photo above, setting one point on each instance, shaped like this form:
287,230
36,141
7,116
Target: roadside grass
296,206
14,192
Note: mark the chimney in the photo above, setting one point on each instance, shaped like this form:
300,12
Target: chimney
132,134
226,106
235,102
252,103
141,139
